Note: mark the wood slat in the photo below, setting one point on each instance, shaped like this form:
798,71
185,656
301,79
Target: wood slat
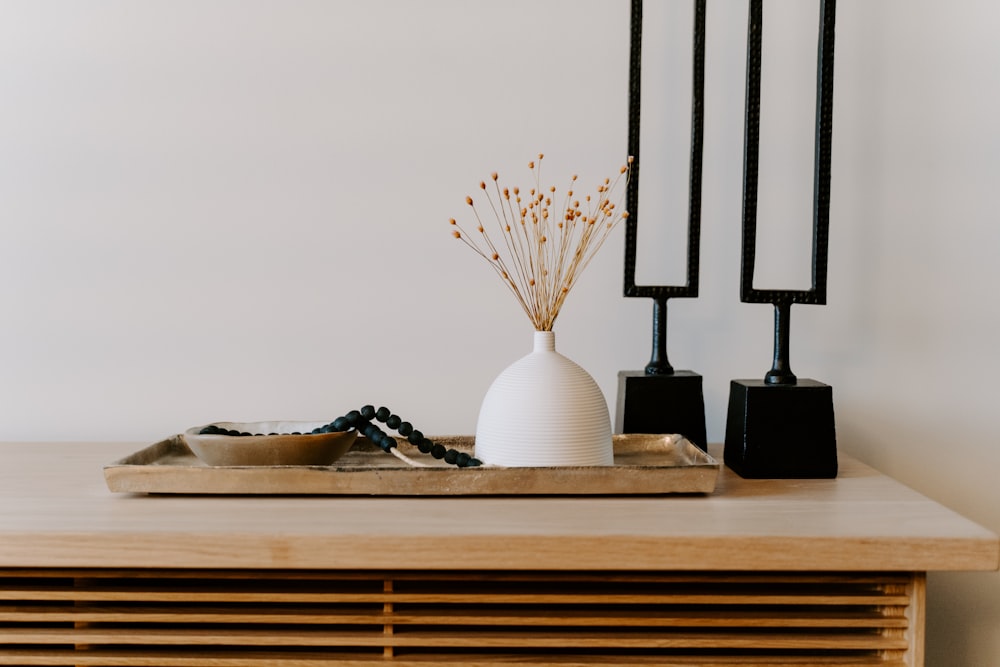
463,616
574,638
180,614
192,596
660,617
496,577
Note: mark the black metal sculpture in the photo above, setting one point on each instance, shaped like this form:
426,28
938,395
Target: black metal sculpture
660,399
782,426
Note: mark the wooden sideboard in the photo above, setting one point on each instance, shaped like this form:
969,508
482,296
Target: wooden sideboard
790,572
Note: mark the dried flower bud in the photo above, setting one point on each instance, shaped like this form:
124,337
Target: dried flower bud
540,292
631,158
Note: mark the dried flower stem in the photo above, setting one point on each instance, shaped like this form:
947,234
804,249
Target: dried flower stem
544,248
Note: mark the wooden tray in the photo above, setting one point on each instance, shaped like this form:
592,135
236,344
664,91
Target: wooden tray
644,464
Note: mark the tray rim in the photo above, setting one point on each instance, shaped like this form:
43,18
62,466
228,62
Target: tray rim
119,475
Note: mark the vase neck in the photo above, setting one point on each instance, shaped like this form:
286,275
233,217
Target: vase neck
545,341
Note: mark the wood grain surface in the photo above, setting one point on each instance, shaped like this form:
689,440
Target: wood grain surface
56,511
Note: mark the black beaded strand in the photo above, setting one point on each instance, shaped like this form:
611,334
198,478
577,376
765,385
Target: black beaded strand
361,420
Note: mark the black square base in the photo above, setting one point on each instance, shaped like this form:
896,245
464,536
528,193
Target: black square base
661,404
781,431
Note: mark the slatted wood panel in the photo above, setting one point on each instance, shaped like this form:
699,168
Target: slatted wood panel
475,619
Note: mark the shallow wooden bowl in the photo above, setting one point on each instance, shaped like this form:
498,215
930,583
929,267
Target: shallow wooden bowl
284,449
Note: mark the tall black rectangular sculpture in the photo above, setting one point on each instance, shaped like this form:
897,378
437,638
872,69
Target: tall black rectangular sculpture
781,426
660,399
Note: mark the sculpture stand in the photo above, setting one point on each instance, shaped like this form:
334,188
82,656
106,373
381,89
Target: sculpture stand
660,399
781,427
661,404
781,431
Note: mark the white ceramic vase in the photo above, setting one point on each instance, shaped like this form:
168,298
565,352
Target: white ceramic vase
544,410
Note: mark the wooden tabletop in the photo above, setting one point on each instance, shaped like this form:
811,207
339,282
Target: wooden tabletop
56,511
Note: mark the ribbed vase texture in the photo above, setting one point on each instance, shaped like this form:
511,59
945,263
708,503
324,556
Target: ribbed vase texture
544,410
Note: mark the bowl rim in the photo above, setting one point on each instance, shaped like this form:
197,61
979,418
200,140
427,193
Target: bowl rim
196,430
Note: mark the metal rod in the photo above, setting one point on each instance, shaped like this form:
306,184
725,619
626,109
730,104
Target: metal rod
781,370
659,364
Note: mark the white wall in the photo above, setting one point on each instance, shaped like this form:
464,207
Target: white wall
238,210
